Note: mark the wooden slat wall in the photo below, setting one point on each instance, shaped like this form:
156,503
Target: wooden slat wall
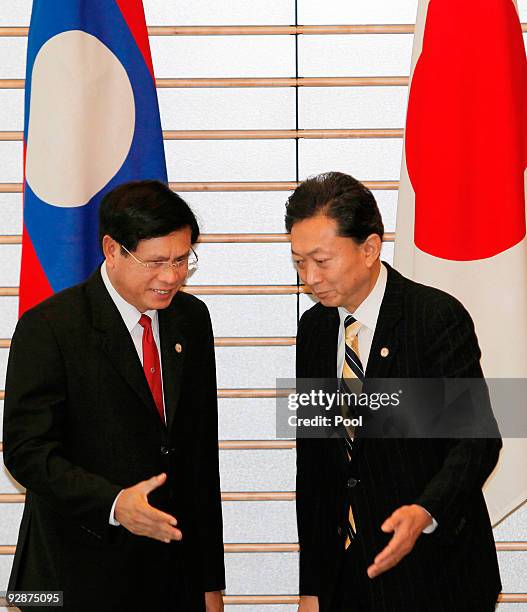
231,238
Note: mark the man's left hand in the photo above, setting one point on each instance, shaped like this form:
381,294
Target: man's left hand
407,524
214,601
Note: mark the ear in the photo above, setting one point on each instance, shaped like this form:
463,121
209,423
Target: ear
110,249
372,249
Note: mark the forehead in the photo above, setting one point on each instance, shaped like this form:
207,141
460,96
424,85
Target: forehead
315,234
179,240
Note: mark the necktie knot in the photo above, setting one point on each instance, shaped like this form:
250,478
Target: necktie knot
145,322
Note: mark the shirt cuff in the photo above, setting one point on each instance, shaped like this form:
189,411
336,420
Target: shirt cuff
433,526
112,520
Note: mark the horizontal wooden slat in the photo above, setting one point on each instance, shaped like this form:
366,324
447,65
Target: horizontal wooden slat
233,393
257,444
249,496
249,186
258,496
257,30
215,238
254,341
5,343
256,134
247,393
289,547
387,81
215,290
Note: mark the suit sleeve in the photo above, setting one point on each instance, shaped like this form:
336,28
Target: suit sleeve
308,487
209,505
35,428
453,352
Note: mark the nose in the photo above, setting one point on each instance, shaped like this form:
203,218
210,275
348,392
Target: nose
311,275
170,274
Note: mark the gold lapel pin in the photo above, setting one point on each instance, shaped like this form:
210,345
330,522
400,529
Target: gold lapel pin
178,348
385,351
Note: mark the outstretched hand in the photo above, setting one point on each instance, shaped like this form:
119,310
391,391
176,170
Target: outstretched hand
406,524
133,512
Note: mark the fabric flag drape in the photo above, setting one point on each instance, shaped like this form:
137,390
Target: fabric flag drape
91,123
461,210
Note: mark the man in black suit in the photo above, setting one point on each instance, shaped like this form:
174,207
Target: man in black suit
111,423
394,524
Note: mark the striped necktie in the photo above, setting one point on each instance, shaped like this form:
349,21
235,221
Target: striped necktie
352,369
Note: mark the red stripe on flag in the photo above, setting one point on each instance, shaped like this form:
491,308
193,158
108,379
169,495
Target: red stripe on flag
468,111
34,285
134,15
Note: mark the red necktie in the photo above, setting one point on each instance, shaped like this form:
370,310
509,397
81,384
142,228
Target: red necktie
151,364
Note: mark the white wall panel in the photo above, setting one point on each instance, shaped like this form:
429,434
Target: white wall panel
522,9
10,264
387,252
11,109
230,160
13,54
387,203
7,483
513,570
360,11
355,55
11,517
6,561
243,264
367,159
227,109
8,316
502,607
262,573
12,162
253,367
11,213
259,212
247,522
220,12
247,419
15,12
257,470
514,527
1,419
249,315
223,56
352,107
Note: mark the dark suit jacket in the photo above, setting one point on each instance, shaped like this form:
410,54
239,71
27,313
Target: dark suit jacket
80,425
428,334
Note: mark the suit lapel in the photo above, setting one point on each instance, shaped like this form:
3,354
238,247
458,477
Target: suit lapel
173,351
385,341
116,340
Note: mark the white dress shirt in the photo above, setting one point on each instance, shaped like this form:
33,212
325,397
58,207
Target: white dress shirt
131,316
367,314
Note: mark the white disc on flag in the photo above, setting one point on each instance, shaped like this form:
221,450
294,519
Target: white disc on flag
81,119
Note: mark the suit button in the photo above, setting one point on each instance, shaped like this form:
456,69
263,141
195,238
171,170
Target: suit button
352,482
165,450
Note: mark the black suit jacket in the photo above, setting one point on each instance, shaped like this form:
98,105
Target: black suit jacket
428,334
80,424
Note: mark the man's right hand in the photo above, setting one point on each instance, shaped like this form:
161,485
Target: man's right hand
134,512
308,603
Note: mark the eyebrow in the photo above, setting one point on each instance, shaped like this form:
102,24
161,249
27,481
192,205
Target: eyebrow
159,258
310,252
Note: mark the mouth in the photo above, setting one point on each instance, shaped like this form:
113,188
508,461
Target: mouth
161,292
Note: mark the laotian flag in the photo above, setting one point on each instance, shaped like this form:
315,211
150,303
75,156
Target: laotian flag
91,123
461,211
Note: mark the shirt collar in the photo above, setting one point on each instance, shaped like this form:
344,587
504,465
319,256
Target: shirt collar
368,311
129,313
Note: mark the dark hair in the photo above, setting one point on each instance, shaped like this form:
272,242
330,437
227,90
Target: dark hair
340,197
141,210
